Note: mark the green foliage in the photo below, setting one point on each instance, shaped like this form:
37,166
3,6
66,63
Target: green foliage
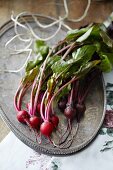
88,41
41,47
41,50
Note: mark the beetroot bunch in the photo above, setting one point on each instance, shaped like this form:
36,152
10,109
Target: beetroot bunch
63,74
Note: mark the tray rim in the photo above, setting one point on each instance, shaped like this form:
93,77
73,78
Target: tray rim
27,141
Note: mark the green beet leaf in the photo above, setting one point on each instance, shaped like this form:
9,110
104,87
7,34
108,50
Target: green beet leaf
106,39
60,66
105,64
52,60
86,67
84,53
91,33
64,92
85,35
31,64
30,76
110,57
41,47
79,57
76,33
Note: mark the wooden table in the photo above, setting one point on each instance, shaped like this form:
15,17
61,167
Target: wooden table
98,12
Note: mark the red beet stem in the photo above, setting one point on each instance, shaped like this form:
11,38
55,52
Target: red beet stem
41,107
63,49
68,51
49,104
40,82
21,95
32,95
16,98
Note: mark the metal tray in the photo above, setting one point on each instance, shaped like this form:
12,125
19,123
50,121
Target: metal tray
95,102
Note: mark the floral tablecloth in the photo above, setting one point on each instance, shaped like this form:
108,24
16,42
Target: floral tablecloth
98,155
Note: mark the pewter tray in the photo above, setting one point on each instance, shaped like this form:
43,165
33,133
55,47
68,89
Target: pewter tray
95,102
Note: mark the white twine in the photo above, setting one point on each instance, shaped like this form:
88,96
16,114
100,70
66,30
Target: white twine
23,66
17,23
13,38
60,21
33,35
43,39
82,17
19,51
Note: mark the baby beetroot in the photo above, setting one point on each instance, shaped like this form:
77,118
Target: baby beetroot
55,120
46,128
69,112
35,122
22,116
80,107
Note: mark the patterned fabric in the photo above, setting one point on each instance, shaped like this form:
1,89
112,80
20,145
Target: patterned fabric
108,121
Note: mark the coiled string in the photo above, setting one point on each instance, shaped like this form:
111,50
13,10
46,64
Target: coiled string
33,36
